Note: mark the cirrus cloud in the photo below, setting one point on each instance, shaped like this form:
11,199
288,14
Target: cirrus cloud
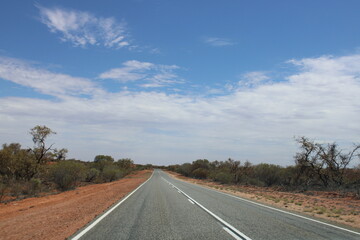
83,28
149,74
218,42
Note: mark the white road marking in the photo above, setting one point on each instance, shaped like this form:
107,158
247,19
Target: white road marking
231,233
179,192
80,234
191,201
279,210
230,227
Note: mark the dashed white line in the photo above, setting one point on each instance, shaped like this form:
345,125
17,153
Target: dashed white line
231,228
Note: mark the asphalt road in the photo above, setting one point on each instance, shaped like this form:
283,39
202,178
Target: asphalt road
166,208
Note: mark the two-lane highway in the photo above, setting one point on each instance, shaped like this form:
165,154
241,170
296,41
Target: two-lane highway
166,208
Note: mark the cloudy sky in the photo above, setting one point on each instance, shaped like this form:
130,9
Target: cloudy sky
166,81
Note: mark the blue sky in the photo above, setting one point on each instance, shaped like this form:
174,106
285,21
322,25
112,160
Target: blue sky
168,82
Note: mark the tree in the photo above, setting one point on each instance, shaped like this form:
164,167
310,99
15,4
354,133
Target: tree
60,154
100,158
125,163
336,161
326,162
103,160
200,163
39,135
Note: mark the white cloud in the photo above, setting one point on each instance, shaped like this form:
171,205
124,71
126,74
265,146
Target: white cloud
83,28
151,75
131,71
218,42
321,101
44,81
252,79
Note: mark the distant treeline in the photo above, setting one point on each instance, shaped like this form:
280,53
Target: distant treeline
317,166
43,169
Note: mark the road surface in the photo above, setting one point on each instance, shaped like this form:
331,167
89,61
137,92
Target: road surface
166,208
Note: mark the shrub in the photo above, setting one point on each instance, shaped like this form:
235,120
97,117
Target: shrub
17,163
92,174
112,173
200,173
66,173
185,169
3,188
223,177
32,187
268,173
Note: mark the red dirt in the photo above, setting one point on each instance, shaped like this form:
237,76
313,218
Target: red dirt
61,215
331,206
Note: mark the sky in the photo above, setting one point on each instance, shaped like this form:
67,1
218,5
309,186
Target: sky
168,81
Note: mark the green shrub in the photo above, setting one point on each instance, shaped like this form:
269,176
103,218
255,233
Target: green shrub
268,173
66,173
112,173
223,177
3,188
185,169
31,187
92,174
200,173
254,182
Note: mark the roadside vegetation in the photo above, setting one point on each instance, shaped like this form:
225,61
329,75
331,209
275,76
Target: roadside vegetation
43,169
317,167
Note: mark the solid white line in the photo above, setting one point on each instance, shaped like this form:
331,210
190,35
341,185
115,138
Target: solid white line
179,192
191,201
279,210
80,234
233,229
231,233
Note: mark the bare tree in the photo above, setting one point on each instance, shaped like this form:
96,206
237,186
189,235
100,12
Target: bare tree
326,162
39,135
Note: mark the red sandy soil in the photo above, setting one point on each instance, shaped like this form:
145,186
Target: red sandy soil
61,215
332,206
